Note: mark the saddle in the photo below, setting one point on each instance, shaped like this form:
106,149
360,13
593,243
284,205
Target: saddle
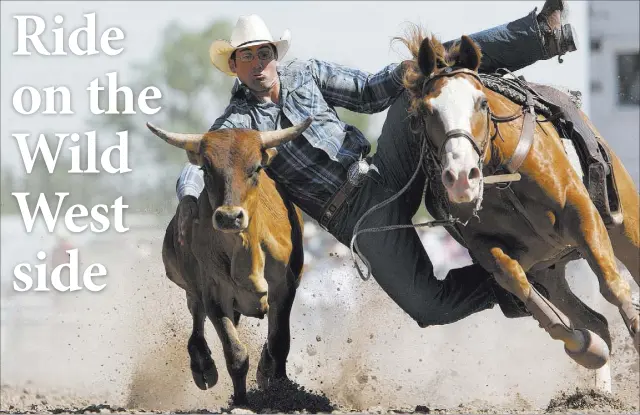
561,108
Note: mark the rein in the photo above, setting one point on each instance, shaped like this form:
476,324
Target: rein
354,244
522,149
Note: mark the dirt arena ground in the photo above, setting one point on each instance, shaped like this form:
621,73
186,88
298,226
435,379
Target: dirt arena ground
124,350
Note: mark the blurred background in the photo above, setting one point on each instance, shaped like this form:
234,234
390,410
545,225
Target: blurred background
128,343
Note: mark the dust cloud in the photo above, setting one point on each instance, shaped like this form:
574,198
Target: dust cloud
126,347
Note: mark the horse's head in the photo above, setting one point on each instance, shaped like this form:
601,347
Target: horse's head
449,103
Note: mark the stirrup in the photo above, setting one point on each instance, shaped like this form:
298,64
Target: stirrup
604,193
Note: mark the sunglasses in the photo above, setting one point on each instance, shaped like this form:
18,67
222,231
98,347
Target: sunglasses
263,54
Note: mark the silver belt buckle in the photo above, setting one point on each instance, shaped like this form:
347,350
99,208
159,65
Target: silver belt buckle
358,171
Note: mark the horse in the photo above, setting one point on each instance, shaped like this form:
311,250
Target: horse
528,223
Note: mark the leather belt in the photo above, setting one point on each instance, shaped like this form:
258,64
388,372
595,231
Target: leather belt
355,177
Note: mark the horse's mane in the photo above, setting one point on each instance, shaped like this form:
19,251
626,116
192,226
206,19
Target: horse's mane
413,77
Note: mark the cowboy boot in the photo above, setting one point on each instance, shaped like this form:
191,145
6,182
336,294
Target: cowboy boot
558,37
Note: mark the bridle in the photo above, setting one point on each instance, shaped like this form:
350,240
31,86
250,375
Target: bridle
436,155
480,150
456,133
522,149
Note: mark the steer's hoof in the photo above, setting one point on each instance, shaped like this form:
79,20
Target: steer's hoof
595,352
262,379
265,369
240,400
206,378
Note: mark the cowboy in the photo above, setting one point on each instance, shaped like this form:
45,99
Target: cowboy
328,171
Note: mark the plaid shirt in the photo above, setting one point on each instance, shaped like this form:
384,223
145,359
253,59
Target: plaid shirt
313,166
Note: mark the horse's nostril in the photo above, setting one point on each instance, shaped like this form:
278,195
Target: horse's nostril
240,215
448,178
474,174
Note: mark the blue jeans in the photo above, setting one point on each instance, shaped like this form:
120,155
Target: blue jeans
513,45
398,260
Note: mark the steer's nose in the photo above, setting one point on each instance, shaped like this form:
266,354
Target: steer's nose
230,218
460,175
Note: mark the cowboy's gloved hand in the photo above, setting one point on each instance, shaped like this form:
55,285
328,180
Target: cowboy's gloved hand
186,213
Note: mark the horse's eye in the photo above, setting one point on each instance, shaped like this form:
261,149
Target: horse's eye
484,104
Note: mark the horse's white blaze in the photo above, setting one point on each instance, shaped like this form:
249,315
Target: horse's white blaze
456,105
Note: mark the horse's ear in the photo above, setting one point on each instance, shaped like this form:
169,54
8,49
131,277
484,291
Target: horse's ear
469,56
426,57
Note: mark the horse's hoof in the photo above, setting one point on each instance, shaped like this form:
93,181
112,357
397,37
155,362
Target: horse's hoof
595,352
207,377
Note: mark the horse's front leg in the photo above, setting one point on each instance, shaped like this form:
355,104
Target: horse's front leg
589,232
583,346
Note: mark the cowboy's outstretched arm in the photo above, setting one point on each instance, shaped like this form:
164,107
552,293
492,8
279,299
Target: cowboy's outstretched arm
357,90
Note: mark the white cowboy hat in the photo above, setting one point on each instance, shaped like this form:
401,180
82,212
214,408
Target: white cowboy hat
249,31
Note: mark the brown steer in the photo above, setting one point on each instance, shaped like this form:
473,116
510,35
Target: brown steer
243,254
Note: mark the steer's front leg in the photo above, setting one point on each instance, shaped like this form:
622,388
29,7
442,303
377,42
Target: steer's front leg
235,353
203,368
273,362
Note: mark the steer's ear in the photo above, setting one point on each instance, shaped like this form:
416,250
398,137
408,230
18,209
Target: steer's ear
268,155
195,158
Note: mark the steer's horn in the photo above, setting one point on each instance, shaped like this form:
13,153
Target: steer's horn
189,142
275,138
